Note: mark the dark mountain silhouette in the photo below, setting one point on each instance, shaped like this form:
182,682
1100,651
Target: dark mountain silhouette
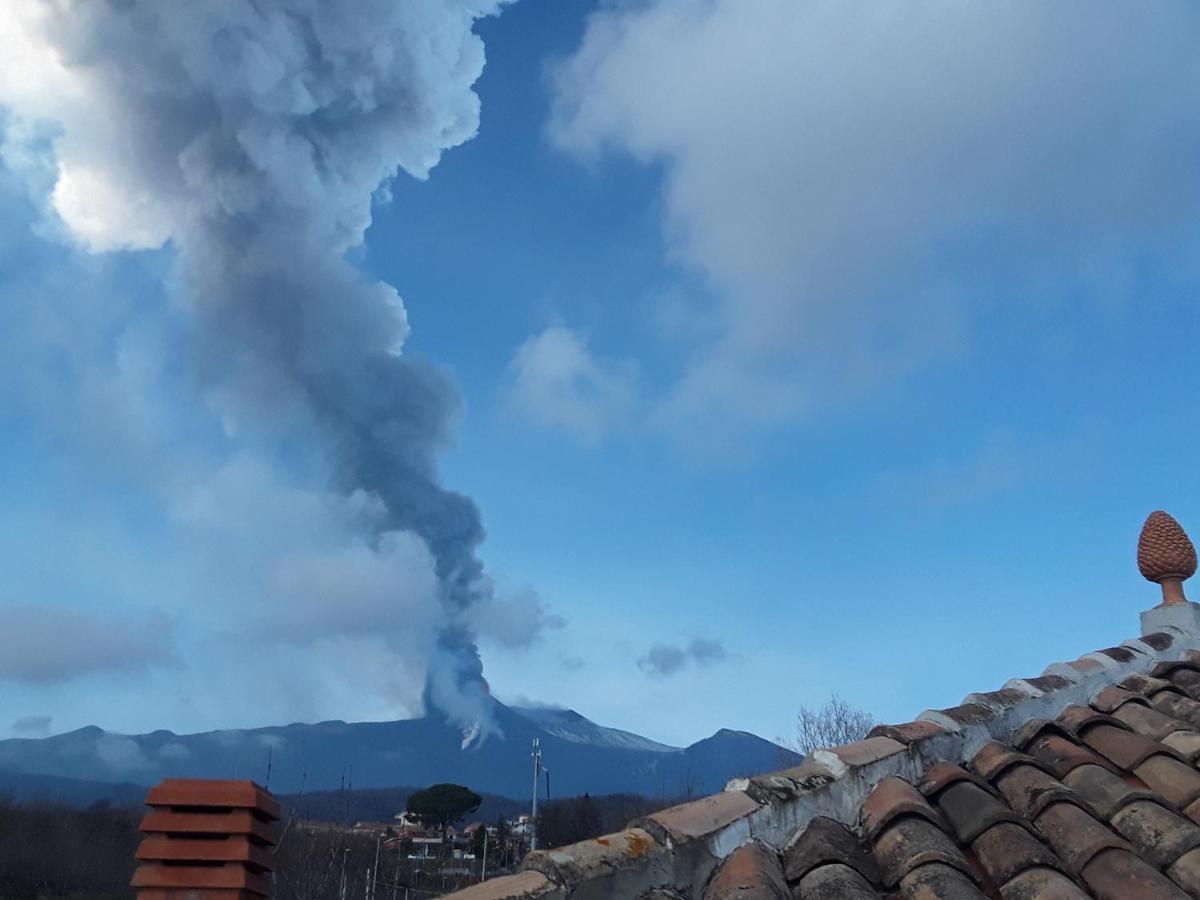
581,756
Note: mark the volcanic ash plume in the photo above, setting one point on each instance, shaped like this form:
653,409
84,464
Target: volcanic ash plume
252,136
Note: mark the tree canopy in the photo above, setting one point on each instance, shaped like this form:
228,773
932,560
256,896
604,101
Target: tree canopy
442,805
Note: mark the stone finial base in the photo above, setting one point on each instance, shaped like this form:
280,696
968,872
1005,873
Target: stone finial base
1184,616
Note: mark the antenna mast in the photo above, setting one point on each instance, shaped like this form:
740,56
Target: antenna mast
537,771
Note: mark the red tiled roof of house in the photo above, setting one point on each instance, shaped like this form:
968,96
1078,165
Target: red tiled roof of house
1081,782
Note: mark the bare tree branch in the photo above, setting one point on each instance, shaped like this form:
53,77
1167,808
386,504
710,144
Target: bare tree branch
835,723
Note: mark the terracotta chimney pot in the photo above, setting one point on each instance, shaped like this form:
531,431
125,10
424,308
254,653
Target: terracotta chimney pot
207,840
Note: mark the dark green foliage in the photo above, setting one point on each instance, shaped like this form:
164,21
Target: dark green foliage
380,804
51,850
441,805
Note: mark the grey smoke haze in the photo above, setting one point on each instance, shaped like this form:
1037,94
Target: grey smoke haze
48,645
252,137
662,660
33,726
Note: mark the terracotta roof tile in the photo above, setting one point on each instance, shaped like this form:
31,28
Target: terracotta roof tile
1178,782
912,841
941,775
1105,792
1061,756
1006,850
865,752
1042,884
1161,836
1032,729
1148,685
1185,743
1159,640
1185,872
894,797
822,842
907,732
938,880
970,810
834,882
1077,718
993,758
968,714
1188,679
751,872
1177,706
1125,748
1119,875
1113,697
1165,667
1075,835
1120,654
1149,721
1047,683
1029,790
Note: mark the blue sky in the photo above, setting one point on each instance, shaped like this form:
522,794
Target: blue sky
791,361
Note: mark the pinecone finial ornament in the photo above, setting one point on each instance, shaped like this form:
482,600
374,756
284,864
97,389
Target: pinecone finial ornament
1165,555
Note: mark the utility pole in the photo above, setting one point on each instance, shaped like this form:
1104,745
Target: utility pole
375,868
483,871
537,774
342,892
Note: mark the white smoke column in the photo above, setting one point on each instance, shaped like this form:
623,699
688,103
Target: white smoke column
252,136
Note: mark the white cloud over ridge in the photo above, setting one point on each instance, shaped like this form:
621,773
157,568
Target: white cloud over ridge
855,183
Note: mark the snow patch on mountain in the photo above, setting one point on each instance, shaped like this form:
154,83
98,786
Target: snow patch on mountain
571,726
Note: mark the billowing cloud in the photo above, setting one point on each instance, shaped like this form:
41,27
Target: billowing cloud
557,382
50,644
253,386
515,619
663,660
854,187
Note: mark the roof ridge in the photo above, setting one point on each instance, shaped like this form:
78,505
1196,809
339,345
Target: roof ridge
675,851
683,845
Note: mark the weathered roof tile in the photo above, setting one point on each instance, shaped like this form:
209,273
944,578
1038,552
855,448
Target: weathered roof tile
1104,791
1075,835
1125,748
970,809
938,880
834,882
1061,756
1006,849
751,872
824,841
1119,875
1176,781
912,841
894,797
1160,835
1029,790
1042,884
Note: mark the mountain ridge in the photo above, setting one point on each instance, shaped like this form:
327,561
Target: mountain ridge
582,756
